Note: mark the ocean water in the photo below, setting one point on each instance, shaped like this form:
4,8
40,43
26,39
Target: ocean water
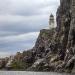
30,73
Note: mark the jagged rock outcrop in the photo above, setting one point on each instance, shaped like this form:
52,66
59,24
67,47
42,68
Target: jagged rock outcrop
44,43
62,45
66,31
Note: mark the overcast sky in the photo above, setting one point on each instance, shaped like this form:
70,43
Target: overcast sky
21,21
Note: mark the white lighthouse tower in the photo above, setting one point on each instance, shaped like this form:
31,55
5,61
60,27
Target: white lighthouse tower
51,21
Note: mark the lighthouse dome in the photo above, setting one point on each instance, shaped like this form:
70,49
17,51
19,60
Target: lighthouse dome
51,15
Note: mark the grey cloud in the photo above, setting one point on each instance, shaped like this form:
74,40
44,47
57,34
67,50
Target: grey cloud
21,21
18,42
21,24
25,7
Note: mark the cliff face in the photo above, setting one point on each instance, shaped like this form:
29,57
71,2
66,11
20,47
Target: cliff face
54,49
63,22
65,30
44,41
66,23
61,45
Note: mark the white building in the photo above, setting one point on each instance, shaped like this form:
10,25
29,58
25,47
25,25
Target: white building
51,22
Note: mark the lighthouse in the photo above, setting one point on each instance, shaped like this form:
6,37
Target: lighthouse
51,21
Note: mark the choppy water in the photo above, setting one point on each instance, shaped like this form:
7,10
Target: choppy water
30,73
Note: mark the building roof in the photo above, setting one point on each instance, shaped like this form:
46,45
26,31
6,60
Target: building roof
51,15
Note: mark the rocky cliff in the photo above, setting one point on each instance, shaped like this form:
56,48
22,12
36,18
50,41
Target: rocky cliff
60,45
66,32
54,49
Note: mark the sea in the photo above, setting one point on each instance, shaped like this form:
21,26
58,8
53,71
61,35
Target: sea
30,73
